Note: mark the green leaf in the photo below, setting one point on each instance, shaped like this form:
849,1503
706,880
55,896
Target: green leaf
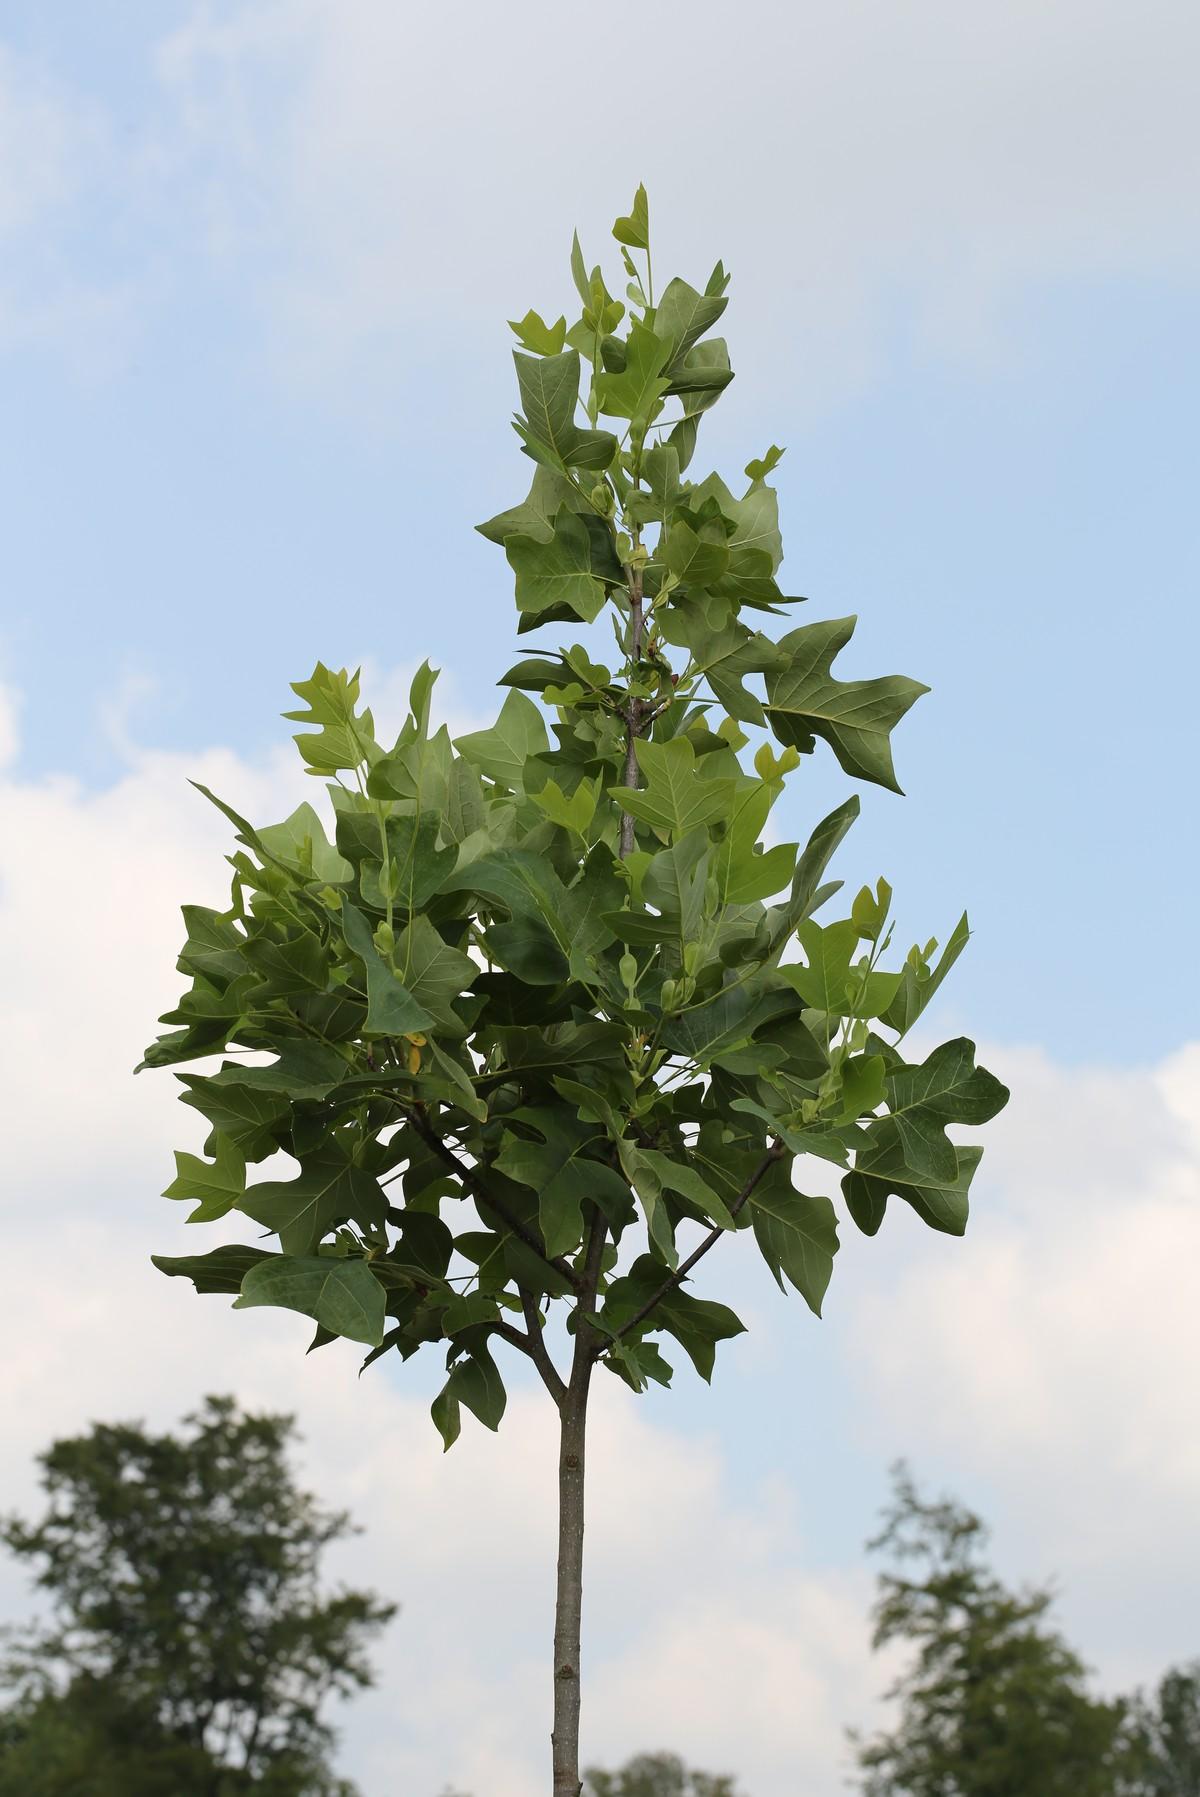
418,866
346,737
697,560
221,1271
534,517
818,853
549,389
681,1177
218,1184
855,717
945,1088
579,274
676,799
468,1311
870,910
549,396
392,1010
758,470
249,1117
535,334
301,1070
300,841
797,1236
825,980
475,1382
918,982
696,1323
942,1204
328,1189
434,972
502,752
561,1173
743,873
574,813
343,1296
575,569
634,229
634,391
682,316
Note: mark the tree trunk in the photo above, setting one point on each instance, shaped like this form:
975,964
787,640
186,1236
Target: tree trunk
569,1599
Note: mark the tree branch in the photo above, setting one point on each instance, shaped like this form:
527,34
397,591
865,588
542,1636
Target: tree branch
537,1349
774,1153
589,1342
474,1182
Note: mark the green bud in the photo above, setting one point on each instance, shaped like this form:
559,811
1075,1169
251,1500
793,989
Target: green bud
691,957
384,938
629,971
667,995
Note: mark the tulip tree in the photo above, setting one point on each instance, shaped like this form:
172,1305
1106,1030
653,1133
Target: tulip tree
538,1017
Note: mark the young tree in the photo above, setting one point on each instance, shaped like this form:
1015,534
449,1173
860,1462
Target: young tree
189,1628
656,1775
530,1017
993,1701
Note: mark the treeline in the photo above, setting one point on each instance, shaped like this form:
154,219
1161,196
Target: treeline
191,1649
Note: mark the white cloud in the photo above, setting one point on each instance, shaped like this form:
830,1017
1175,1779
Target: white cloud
57,163
1054,1363
1043,1360
403,165
357,173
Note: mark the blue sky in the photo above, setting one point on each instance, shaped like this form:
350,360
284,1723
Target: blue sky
255,262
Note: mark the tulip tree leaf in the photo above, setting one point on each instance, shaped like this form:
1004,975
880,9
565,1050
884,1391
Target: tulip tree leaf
343,1296
855,717
797,1236
574,569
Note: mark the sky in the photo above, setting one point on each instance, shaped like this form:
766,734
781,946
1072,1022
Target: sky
256,260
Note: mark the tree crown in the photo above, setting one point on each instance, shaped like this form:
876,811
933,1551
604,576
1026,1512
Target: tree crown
183,1571
543,997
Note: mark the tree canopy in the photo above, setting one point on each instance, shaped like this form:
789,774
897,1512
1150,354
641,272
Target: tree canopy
189,1633
1164,1738
657,1775
992,1701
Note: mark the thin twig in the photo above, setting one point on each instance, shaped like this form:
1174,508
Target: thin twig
774,1153
475,1182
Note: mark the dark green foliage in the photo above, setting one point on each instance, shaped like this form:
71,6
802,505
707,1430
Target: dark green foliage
656,1775
1163,1737
993,1702
190,1645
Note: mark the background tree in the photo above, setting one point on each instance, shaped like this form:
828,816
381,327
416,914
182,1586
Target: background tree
993,1703
656,1775
189,1632
529,1017
1164,1738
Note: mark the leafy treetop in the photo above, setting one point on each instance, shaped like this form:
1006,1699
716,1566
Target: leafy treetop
541,999
190,1645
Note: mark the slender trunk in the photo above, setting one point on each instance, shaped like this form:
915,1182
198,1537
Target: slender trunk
633,711
572,1405
568,1608
572,1410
